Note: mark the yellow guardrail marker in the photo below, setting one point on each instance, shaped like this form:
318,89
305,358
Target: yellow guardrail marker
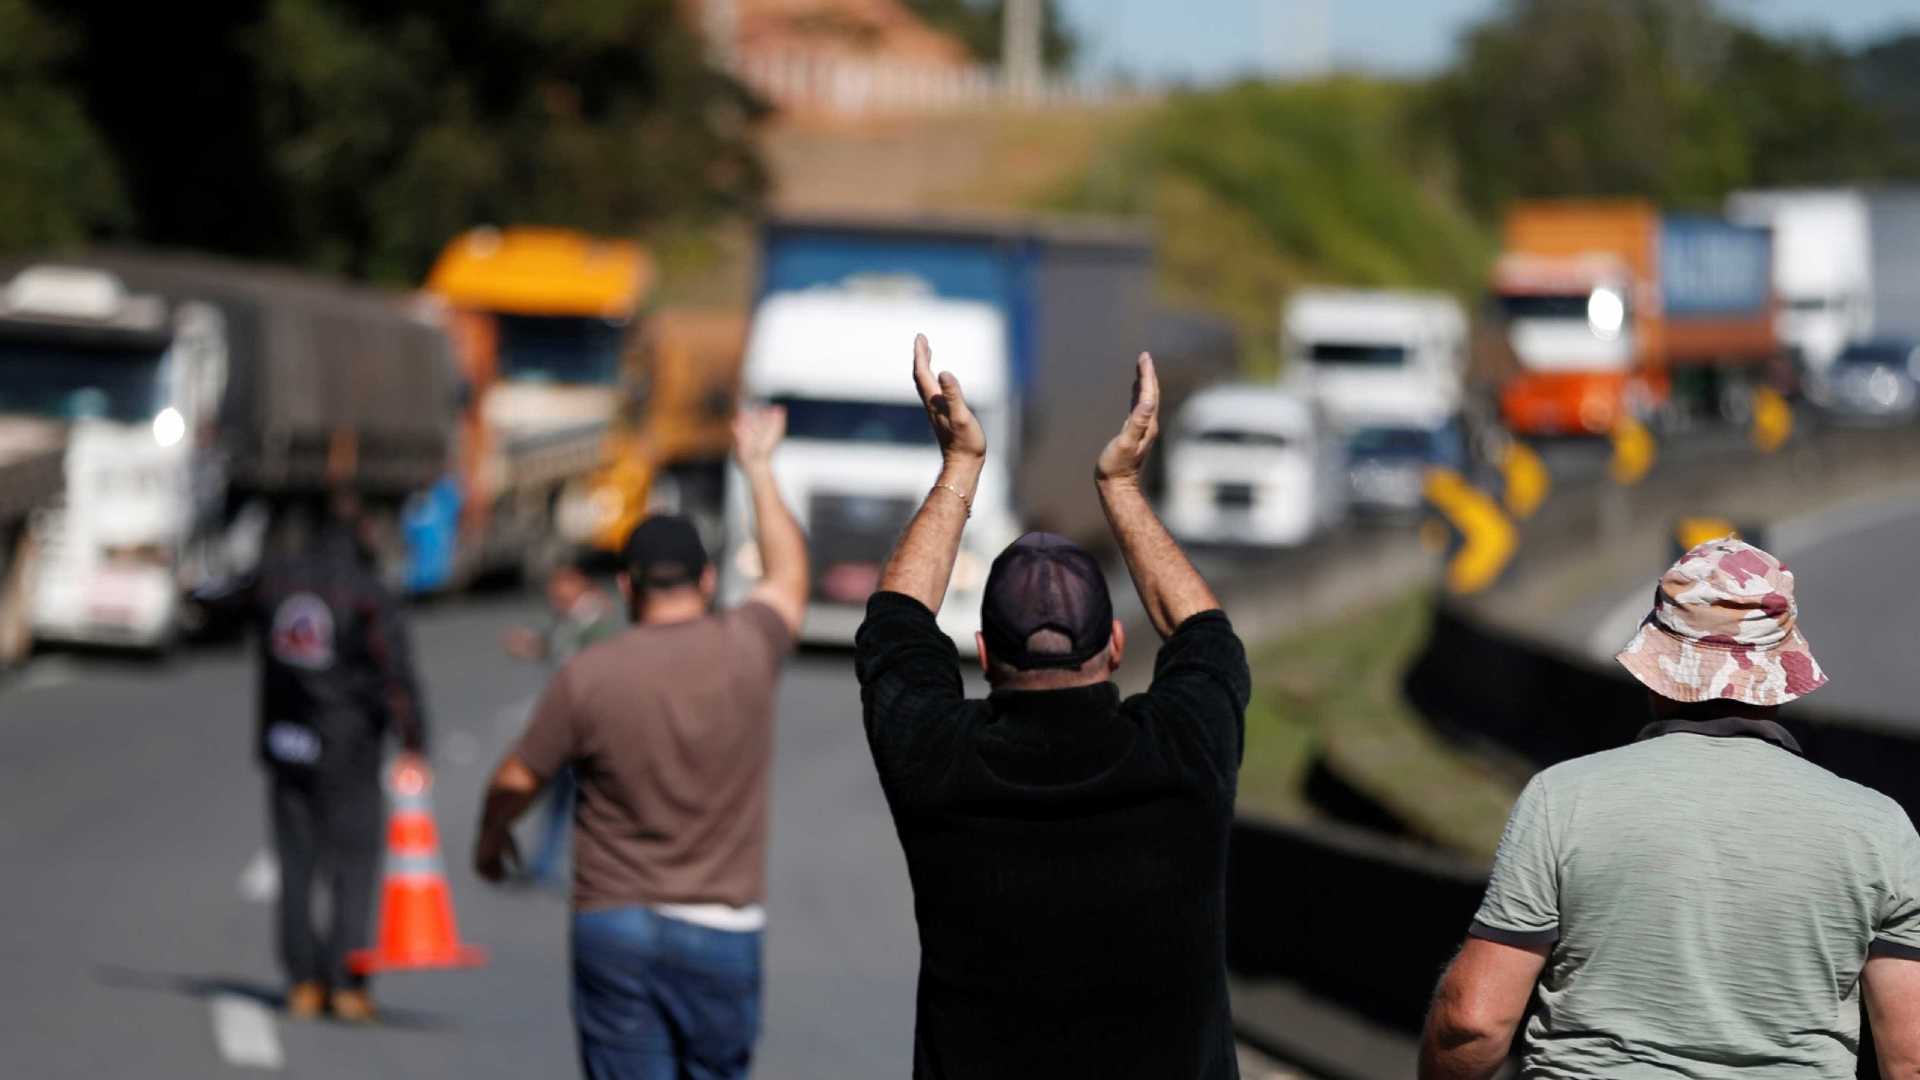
1691,532
1527,479
1488,538
1633,452
1772,420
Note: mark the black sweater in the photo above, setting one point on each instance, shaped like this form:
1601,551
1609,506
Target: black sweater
1068,855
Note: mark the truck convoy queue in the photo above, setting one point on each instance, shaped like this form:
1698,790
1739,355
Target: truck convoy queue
533,400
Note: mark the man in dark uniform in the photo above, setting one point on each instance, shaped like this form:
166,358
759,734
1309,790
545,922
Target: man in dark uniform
335,676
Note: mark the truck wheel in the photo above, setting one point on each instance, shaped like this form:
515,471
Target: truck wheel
16,617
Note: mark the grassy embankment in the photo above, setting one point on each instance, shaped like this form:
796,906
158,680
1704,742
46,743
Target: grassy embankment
1259,189
1332,692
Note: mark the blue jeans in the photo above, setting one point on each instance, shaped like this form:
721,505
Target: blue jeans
656,998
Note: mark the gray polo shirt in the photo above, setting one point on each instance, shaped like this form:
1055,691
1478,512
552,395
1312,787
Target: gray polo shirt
1710,901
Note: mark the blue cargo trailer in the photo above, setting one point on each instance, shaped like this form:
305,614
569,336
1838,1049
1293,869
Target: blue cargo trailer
1078,301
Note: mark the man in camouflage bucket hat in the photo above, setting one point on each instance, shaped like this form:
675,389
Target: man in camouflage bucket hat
1723,625
1705,901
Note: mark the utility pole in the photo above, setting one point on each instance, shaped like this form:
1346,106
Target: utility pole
1020,55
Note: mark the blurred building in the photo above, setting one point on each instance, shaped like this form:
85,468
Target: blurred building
854,57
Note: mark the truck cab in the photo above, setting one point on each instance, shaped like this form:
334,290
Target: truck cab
135,381
546,325
1389,368
859,455
1568,325
1253,465
1822,268
1368,355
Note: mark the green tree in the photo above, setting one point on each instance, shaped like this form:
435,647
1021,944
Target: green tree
1589,97
1659,98
396,125
360,135
58,184
1887,75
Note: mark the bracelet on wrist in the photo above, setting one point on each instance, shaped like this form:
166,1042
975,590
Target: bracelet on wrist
965,499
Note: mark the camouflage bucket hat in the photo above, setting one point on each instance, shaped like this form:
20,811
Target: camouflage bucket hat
1723,626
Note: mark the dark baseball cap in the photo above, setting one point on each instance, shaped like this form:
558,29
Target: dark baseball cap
1045,582
664,552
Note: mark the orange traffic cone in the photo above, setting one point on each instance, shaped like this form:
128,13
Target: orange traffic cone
416,910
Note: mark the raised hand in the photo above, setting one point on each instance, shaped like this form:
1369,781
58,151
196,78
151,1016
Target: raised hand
756,431
1126,452
955,427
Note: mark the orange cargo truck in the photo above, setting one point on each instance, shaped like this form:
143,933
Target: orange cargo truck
1605,309
588,406
548,326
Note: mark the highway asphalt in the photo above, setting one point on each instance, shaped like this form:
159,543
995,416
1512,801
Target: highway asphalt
1859,606
130,814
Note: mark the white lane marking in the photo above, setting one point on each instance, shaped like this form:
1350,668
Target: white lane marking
1809,531
260,882
243,1029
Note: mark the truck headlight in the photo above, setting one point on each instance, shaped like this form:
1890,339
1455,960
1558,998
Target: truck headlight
1606,313
169,427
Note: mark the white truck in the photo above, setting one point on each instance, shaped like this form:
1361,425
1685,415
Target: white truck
199,395
859,457
1371,358
1253,465
132,378
1846,266
1389,369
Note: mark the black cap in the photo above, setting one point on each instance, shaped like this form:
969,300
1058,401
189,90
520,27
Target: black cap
664,552
1045,582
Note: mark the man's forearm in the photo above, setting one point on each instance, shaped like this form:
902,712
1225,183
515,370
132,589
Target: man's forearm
922,563
502,808
783,547
1476,1058
512,789
1170,588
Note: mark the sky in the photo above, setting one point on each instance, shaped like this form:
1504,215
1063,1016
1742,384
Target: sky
1210,40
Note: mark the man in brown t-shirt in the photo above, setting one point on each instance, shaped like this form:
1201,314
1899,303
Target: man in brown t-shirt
669,727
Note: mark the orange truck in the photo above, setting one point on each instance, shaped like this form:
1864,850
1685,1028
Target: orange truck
581,397
1608,309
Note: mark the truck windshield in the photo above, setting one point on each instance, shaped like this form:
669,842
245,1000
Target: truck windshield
1545,306
833,420
1882,354
81,382
1348,354
560,349
1392,443
1239,437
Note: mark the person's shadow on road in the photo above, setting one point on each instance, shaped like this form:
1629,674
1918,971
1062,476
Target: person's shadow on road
207,987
